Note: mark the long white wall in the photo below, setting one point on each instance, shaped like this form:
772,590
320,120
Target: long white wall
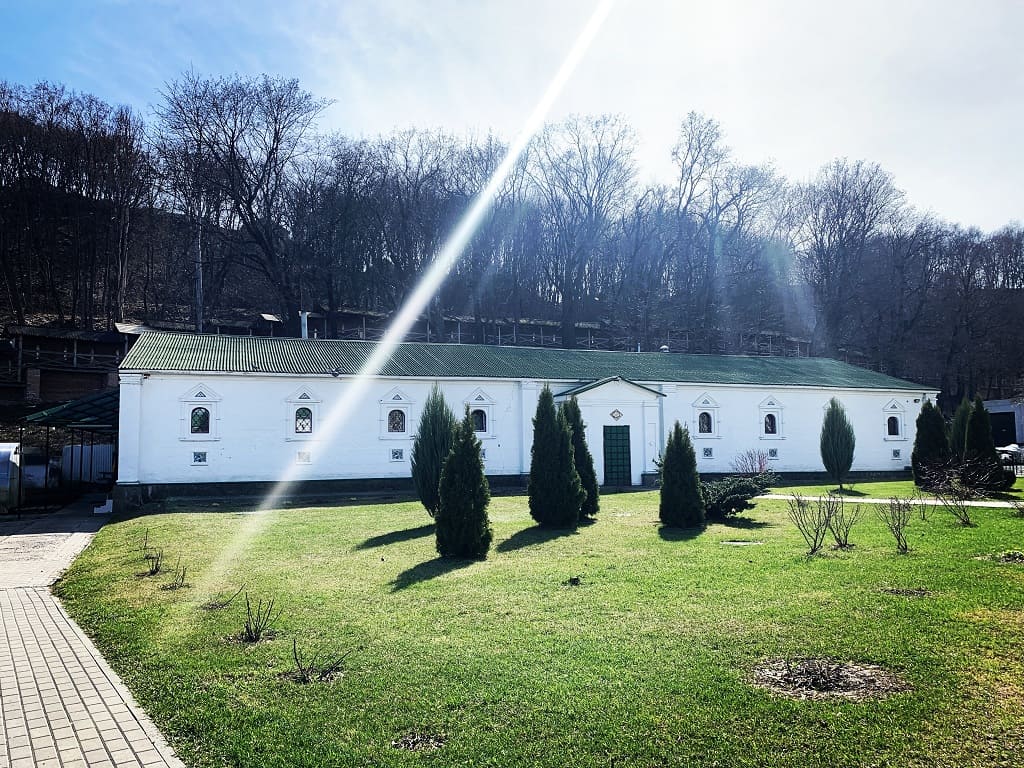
252,430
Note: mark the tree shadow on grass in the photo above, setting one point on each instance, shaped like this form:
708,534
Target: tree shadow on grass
745,523
528,537
396,537
846,492
431,569
678,534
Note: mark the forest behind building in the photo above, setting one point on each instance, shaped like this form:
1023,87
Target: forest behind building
228,197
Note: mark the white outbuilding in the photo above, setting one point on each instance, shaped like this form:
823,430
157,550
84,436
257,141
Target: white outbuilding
236,414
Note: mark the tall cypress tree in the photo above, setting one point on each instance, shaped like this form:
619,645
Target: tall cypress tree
931,444
581,457
681,503
837,442
430,448
978,442
958,429
463,528
982,468
556,494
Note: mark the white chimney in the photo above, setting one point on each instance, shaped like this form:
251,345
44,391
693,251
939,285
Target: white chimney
304,323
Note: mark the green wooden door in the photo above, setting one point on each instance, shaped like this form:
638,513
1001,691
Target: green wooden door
616,456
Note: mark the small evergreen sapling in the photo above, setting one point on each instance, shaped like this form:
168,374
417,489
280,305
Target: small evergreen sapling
430,449
837,442
682,505
931,445
556,495
463,528
581,457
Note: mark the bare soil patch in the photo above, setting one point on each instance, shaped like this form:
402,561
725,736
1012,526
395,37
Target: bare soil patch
418,741
907,592
824,678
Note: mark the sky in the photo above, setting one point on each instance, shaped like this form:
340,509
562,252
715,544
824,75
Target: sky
932,90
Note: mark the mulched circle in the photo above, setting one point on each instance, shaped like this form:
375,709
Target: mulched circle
415,741
905,592
294,676
824,678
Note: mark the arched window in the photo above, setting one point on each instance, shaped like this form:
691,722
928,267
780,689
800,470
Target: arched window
479,420
200,421
893,426
303,421
396,421
704,425
771,426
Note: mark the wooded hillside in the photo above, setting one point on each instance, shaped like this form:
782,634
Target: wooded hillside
106,214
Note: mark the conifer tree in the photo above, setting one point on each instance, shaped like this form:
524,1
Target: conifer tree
463,528
931,444
581,457
430,448
981,466
556,494
958,429
837,442
681,504
978,442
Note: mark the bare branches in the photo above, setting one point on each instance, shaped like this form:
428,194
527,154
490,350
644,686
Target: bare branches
812,520
896,517
842,520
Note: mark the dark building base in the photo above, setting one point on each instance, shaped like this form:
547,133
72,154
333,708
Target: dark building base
130,498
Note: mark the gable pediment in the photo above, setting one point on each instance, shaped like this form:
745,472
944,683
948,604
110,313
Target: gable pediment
396,397
705,401
199,393
303,395
623,386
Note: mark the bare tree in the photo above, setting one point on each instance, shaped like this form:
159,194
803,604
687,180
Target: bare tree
840,212
251,132
584,174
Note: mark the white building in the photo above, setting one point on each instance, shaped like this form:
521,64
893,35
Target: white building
199,410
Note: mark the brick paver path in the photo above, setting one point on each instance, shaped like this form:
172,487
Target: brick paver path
62,706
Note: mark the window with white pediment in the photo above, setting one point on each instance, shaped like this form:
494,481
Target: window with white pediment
395,413
302,415
705,417
199,414
770,421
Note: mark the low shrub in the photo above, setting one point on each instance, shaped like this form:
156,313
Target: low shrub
258,620
841,521
896,517
811,520
731,495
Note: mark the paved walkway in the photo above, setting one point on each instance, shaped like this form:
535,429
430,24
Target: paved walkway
860,500
61,706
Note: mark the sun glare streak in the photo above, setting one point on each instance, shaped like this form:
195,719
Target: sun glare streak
447,257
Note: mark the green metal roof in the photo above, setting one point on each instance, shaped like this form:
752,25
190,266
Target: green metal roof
92,413
173,352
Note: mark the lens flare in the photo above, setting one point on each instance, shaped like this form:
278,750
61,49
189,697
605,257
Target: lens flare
358,386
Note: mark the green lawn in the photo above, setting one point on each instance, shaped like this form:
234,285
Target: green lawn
645,663
883,489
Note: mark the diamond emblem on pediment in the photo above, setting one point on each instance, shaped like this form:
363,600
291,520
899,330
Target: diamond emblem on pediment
616,414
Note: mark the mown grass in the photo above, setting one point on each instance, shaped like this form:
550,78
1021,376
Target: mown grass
883,489
644,663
